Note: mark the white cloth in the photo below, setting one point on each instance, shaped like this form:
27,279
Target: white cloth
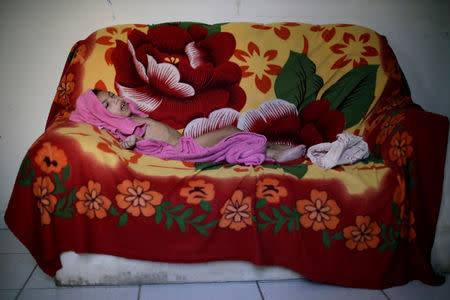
347,149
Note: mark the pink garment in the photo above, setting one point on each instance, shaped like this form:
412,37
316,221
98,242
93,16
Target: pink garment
240,148
347,149
90,110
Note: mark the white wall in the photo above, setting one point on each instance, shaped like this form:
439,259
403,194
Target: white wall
36,36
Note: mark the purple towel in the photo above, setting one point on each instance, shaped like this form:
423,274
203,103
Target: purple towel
90,110
240,148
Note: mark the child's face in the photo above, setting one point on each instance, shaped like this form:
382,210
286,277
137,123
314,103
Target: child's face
114,104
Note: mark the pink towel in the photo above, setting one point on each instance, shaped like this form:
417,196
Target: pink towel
90,110
240,148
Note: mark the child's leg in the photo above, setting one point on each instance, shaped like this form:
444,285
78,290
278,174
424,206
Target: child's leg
278,152
211,138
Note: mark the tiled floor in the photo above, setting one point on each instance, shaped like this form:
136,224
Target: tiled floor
21,279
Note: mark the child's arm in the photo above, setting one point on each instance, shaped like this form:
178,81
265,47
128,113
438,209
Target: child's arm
159,131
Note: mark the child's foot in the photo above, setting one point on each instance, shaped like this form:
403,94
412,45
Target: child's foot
129,142
284,153
291,154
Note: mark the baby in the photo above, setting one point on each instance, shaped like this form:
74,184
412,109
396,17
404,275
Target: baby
144,128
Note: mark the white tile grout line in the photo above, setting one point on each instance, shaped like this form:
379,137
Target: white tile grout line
26,281
387,297
259,290
139,292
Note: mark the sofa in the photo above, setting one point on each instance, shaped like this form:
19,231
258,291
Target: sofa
367,224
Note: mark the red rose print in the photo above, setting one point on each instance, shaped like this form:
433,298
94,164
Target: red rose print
176,75
280,122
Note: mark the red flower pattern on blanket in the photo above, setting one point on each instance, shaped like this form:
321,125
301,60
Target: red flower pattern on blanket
279,121
282,30
109,39
349,52
258,65
328,31
176,75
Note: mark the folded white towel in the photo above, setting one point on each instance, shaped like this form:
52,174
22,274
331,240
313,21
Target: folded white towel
347,149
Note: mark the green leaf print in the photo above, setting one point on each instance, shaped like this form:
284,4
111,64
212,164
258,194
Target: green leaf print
297,81
353,93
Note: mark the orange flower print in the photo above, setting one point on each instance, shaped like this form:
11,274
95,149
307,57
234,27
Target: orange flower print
65,88
407,231
349,52
269,189
197,191
318,212
395,101
258,65
388,126
363,235
282,31
400,191
91,202
372,124
79,54
328,31
42,189
401,148
50,158
137,198
236,212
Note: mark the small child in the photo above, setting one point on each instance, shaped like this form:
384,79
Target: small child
122,118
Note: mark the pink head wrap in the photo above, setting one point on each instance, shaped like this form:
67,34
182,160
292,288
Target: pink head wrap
90,110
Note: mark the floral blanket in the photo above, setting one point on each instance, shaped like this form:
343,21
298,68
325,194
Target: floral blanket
370,224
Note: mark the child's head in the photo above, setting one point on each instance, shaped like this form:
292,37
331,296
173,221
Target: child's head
113,103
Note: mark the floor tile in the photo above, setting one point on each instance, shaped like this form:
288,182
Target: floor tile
200,291
8,294
10,244
40,280
15,270
305,289
417,290
85,293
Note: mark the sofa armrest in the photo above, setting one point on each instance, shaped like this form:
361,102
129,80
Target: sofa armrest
414,143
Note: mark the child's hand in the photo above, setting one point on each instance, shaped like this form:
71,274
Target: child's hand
129,142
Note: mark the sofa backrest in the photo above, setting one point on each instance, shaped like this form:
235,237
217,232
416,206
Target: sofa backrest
258,77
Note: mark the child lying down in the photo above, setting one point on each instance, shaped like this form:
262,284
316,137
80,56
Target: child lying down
137,131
